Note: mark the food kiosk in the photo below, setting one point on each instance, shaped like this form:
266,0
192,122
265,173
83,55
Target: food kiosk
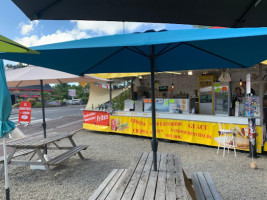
178,118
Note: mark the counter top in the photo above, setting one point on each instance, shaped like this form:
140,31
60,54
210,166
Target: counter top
191,117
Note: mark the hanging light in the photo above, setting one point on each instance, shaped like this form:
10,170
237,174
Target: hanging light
240,83
172,86
190,73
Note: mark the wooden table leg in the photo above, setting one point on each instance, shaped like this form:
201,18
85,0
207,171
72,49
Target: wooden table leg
43,161
32,155
8,160
74,145
188,185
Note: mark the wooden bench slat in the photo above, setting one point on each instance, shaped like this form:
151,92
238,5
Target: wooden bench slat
212,187
67,154
197,187
142,184
205,187
170,185
117,185
103,185
129,192
162,178
127,177
152,182
180,183
111,184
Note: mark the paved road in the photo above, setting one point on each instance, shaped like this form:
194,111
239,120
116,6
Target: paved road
50,113
59,119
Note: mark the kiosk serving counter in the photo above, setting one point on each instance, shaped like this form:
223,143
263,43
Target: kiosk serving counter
192,128
192,113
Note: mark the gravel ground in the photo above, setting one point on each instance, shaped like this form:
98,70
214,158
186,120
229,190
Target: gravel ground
77,179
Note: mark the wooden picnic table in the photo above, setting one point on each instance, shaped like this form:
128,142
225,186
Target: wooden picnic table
141,182
37,143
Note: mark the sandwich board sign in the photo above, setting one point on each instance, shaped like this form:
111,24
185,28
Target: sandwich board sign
25,111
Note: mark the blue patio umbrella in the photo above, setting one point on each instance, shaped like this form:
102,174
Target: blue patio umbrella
230,13
154,51
5,104
6,126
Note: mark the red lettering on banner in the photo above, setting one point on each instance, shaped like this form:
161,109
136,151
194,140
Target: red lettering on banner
96,117
197,126
25,110
139,122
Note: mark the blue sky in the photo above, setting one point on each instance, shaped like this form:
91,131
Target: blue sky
16,26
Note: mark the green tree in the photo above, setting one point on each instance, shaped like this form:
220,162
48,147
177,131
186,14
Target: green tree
18,65
118,102
61,92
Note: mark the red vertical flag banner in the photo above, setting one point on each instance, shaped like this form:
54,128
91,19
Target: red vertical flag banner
25,111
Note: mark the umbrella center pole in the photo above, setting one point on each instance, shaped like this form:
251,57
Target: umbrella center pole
6,170
43,113
154,141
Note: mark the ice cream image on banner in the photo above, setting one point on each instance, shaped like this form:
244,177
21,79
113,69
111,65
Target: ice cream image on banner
240,137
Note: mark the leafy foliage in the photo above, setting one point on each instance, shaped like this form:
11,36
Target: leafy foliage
38,104
118,102
33,101
61,92
18,65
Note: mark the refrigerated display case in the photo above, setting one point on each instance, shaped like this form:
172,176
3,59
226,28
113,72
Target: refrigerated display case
221,99
206,105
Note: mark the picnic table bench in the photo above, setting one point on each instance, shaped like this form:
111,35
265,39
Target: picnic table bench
204,187
36,143
141,182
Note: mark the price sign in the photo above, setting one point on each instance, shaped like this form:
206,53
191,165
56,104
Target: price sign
25,110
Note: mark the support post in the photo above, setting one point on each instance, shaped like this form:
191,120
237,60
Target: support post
154,142
110,93
132,89
6,170
261,95
43,113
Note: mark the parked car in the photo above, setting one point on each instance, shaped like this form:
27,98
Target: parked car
77,102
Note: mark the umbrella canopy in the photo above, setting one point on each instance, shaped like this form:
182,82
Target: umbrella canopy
5,104
7,45
35,96
6,126
32,75
173,50
229,13
154,51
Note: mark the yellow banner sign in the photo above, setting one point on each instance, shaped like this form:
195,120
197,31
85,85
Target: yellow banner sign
205,133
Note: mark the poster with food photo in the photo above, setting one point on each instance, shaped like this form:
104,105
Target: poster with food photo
240,139
116,125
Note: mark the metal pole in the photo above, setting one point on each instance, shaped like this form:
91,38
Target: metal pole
154,141
6,171
43,112
261,95
110,93
132,89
